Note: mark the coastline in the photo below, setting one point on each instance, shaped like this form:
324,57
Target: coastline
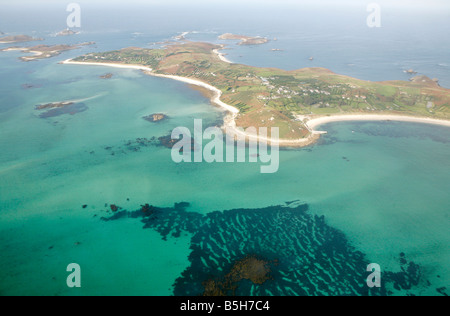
314,122
222,56
311,122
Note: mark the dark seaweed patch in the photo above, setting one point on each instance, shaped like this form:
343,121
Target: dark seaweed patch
312,257
403,130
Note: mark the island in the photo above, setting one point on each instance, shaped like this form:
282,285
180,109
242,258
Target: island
18,39
44,51
54,105
54,109
411,72
244,40
294,101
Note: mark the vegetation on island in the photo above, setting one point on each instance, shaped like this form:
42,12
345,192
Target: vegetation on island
66,32
270,97
45,51
18,39
244,40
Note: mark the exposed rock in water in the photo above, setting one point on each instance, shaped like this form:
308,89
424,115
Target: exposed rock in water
66,32
53,105
107,76
168,142
157,117
71,108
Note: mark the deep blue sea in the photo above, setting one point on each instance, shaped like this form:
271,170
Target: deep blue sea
367,192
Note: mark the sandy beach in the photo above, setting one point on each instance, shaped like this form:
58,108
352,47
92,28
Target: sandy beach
313,123
222,56
310,122
138,67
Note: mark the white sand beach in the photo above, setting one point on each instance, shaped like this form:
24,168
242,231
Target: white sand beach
314,122
222,56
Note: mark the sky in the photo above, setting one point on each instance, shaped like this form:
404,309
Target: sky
422,4
16,15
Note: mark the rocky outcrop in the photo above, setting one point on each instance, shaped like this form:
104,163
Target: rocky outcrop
158,117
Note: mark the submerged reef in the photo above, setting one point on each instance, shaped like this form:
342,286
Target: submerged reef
278,250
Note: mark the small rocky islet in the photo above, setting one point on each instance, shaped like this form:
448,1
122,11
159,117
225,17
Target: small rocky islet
157,117
107,76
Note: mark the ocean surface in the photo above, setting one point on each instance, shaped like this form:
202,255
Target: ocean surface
367,192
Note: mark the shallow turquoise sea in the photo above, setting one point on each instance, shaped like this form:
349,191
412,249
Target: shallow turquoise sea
383,185
367,192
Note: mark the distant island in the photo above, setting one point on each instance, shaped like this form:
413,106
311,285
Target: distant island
54,105
66,32
244,40
18,39
294,101
44,51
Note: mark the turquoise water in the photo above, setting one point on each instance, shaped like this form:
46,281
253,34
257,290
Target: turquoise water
385,185
381,187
